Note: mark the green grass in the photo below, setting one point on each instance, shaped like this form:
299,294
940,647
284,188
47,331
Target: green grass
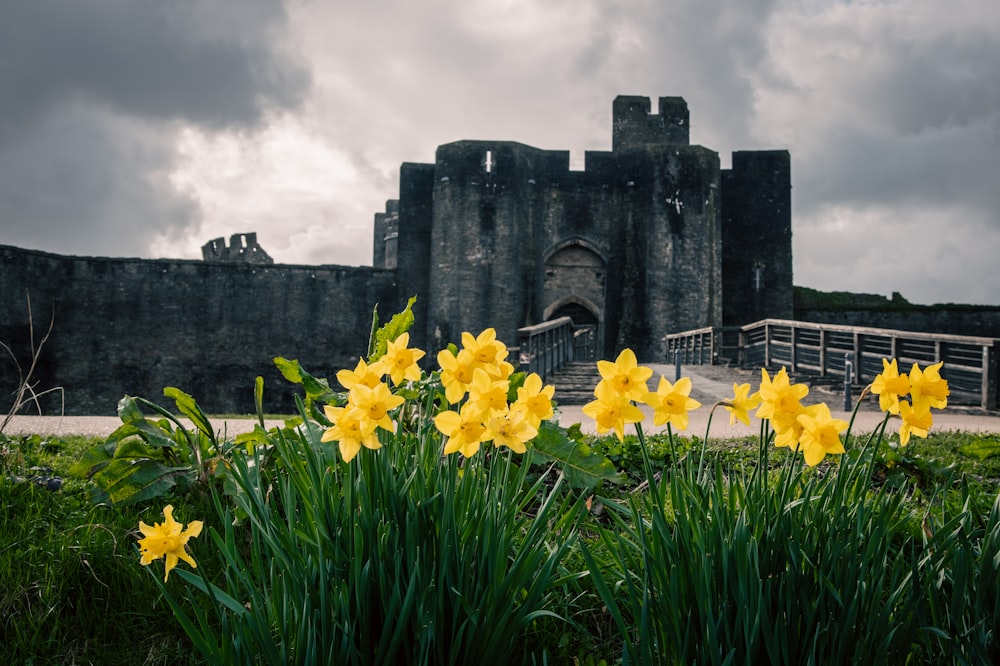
72,590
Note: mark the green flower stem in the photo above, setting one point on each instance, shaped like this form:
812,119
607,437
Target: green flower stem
704,442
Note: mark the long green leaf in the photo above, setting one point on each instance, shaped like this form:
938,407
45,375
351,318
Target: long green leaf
127,480
582,467
316,388
187,406
395,327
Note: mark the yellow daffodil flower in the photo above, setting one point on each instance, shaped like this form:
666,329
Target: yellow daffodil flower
780,400
487,394
625,376
928,387
350,430
485,348
167,540
456,373
788,429
511,428
611,410
820,433
465,430
400,361
500,369
671,403
364,374
916,421
890,386
741,403
374,404
536,399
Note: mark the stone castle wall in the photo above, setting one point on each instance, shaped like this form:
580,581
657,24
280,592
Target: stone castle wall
130,326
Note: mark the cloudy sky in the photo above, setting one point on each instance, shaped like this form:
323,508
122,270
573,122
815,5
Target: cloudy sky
144,128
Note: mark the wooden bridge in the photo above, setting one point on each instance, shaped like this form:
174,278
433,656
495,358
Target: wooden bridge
827,351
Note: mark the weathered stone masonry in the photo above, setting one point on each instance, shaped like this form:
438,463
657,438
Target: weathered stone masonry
651,238
135,326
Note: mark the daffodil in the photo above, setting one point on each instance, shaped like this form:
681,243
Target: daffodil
511,428
456,373
890,386
465,430
928,387
625,376
788,429
167,540
364,374
820,433
611,410
400,361
375,403
741,403
536,399
487,394
485,348
671,403
350,430
780,400
916,421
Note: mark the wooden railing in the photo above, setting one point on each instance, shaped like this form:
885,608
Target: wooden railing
970,363
546,348
704,346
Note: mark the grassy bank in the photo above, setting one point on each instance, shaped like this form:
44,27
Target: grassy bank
72,590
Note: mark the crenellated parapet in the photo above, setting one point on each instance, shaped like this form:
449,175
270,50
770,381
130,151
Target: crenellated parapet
242,248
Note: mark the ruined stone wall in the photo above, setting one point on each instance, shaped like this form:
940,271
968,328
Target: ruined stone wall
134,326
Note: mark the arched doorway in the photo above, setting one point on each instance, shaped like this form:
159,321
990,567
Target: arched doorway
574,287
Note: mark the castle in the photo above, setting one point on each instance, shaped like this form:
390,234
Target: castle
650,238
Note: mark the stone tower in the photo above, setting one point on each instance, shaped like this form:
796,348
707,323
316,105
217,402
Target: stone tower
650,238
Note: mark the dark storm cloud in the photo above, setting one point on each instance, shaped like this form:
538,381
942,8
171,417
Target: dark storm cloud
93,94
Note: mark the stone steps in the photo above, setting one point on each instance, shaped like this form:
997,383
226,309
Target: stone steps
575,383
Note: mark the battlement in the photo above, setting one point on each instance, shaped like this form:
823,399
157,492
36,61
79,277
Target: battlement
634,126
242,248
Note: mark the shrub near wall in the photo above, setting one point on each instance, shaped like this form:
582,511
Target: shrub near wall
131,326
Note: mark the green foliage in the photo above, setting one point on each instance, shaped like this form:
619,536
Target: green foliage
396,557
400,323
317,389
70,590
982,447
145,458
581,465
794,566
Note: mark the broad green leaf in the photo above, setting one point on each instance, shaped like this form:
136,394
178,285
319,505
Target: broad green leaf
127,480
93,460
316,388
128,410
395,327
187,406
289,369
583,468
135,423
981,448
